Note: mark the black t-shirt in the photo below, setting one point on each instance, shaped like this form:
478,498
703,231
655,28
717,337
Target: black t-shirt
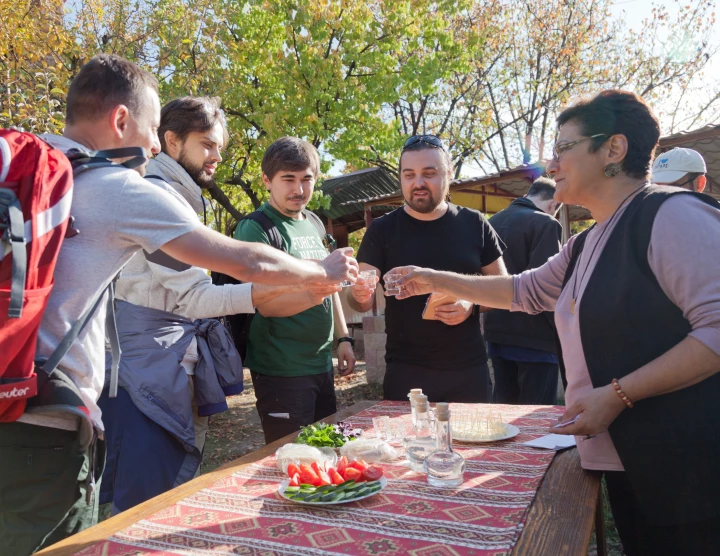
460,241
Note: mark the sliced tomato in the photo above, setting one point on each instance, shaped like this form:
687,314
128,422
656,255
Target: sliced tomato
336,478
359,464
372,473
352,473
342,464
316,467
324,478
308,475
295,481
292,470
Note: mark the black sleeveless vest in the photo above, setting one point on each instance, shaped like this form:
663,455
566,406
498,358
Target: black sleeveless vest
670,444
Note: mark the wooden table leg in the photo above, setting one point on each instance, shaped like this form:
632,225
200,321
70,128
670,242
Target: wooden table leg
600,525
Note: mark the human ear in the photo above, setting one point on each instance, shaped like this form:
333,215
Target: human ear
119,117
617,148
700,183
172,142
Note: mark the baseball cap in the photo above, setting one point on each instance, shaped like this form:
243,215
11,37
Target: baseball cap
674,164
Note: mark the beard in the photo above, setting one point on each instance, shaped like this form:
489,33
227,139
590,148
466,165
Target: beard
197,172
424,205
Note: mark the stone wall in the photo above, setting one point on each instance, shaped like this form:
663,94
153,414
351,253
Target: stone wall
374,338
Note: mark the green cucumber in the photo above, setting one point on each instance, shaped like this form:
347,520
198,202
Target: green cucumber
292,489
346,485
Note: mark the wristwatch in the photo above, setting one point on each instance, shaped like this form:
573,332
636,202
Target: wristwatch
346,339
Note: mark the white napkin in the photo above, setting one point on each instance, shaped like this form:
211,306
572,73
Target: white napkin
552,442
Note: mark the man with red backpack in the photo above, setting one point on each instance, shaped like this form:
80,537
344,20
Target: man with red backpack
51,457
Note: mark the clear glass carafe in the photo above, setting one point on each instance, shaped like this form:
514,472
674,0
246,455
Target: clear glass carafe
444,467
421,442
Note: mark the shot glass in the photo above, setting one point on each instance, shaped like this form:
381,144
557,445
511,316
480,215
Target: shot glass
381,426
392,285
396,433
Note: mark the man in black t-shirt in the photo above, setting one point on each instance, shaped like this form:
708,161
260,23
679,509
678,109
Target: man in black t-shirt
444,356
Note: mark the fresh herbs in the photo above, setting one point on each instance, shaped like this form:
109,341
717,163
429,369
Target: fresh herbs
324,434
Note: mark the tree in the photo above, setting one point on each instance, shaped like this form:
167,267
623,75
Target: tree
37,57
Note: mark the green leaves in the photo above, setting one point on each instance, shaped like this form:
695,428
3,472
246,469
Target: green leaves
356,77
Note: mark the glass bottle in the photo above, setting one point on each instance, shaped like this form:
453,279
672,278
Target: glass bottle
444,467
412,396
421,443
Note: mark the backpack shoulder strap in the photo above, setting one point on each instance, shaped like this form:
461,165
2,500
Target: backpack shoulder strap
13,229
50,366
269,227
327,239
82,161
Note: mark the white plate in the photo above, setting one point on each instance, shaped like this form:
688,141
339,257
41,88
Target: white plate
286,482
510,431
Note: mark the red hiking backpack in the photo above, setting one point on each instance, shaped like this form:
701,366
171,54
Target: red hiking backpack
36,188
35,197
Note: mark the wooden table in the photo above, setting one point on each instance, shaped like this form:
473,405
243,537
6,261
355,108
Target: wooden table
561,519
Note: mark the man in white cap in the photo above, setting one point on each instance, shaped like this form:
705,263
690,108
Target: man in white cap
681,168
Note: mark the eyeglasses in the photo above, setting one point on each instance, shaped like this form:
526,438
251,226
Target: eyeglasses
561,148
432,140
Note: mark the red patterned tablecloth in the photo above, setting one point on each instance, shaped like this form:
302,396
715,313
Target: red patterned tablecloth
243,514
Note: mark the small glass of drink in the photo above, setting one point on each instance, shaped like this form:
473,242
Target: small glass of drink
392,285
381,426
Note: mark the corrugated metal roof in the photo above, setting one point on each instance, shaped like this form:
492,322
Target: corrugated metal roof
705,132
349,190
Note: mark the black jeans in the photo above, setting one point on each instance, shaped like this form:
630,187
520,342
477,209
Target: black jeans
467,385
287,403
642,539
517,382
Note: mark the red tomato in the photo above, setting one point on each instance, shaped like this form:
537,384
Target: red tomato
352,473
372,473
316,467
360,465
342,464
336,478
324,478
295,481
308,475
292,470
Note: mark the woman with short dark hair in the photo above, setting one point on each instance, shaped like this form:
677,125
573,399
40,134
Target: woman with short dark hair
637,309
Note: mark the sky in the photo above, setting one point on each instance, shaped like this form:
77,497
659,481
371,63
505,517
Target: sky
633,12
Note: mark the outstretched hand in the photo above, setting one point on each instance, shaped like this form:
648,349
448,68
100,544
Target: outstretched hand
339,266
415,280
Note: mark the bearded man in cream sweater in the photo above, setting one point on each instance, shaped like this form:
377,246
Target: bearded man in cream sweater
155,430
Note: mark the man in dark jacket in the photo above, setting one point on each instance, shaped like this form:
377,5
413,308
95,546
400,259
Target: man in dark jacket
522,346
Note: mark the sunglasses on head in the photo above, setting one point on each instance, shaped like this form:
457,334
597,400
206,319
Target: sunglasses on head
432,140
